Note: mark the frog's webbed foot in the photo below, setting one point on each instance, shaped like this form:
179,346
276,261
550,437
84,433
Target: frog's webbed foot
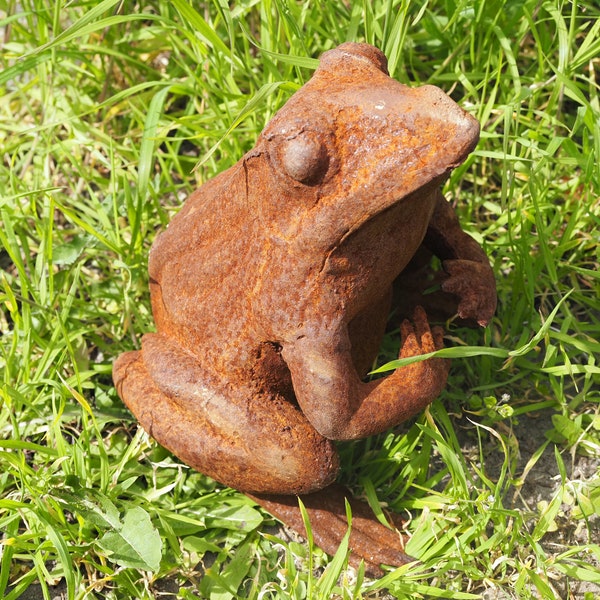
472,282
369,540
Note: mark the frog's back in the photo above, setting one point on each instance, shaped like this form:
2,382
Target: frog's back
201,266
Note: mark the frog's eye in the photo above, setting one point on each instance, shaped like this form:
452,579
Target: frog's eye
304,158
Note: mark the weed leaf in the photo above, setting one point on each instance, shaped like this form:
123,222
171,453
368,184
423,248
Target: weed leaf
237,518
136,543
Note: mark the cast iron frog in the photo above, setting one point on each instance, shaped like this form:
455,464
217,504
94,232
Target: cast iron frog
272,286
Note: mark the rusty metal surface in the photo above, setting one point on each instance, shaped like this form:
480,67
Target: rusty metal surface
370,541
270,287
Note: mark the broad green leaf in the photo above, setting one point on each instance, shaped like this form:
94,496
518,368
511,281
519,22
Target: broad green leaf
96,508
569,429
136,543
69,252
238,518
195,543
224,584
579,571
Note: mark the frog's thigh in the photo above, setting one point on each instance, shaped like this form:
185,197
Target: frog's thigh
249,441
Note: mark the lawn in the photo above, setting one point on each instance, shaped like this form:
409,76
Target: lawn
111,113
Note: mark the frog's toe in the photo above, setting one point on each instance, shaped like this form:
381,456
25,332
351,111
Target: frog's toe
473,284
132,381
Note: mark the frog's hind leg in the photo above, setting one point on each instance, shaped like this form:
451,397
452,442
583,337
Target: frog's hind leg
370,541
237,435
260,445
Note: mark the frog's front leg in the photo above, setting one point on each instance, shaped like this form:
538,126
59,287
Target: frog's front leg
470,277
236,433
333,397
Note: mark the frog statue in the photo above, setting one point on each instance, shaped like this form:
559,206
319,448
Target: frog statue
271,290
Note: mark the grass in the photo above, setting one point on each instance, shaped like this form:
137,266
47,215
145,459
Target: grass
110,114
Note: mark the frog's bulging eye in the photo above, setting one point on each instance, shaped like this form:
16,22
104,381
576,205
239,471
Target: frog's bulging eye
304,158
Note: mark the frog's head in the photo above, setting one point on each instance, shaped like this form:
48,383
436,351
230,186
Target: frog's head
353,141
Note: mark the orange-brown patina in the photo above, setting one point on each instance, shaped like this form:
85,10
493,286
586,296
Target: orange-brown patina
271,289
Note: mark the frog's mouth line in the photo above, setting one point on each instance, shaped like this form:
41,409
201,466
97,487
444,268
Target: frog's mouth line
415,194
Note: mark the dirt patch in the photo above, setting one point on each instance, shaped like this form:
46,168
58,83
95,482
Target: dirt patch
539,486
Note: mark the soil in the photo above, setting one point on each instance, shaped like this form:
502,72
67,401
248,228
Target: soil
540,486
